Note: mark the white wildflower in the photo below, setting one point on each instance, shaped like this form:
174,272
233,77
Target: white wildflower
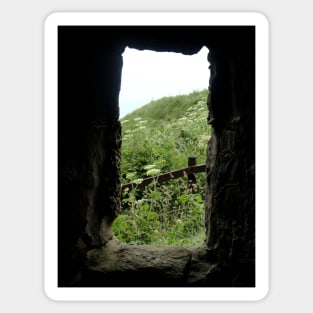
153,172
149,167
138,181
130,175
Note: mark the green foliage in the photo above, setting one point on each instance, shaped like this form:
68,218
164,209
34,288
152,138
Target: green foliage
158,138
166,214
137,227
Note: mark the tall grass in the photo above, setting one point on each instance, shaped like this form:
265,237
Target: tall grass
158,138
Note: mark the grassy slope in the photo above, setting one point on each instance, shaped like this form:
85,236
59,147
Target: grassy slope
160,136
167,108
164,133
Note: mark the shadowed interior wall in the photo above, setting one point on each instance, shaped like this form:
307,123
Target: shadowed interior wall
89,140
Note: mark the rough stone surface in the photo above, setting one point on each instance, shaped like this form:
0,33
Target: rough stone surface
200,266
90,188
121,265
230,192
102,182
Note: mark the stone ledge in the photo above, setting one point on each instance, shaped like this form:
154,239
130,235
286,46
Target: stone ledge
122,265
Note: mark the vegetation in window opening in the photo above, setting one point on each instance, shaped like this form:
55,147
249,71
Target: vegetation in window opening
158,138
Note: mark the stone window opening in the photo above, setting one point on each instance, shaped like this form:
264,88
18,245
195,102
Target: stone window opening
160,208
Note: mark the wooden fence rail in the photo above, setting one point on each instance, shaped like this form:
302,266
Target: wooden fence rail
189,171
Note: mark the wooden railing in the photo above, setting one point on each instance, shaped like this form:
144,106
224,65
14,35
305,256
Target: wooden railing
189,171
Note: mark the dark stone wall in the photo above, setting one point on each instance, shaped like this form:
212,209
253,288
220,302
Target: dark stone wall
89,140
89,134
230,193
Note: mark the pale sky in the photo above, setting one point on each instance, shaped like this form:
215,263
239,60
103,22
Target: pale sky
149,75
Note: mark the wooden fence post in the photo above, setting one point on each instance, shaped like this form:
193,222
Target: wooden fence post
192,161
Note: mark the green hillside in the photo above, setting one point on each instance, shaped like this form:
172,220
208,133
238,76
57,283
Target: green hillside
167,108
158,138
164,133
